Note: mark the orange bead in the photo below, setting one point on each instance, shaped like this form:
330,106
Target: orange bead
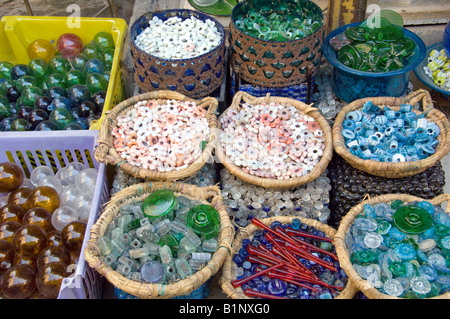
41,49
45,197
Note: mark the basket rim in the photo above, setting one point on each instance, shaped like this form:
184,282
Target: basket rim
145,290
246,232
272,182
345,224
105,147
376,167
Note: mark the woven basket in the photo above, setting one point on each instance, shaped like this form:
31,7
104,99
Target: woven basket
137,193
195,77
229,267
106,153
270,63
394,170
271,182
341,248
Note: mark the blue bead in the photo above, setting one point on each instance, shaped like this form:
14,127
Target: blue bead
276,287
238,260
348,124
405,251
397,234
427,206
296,223
275,224
405,108
243,253
348,134
428,272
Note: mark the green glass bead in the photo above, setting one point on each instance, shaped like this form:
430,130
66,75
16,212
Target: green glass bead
96,82
5,69
26,81
61,117
104,40
441,230
171,240
90,51
397,203
349,56
159,203
5,84
204,220
37,68
412,219
363,257
383,227
398,268
59,64
72,78
30,94
411,242
19,125
390,33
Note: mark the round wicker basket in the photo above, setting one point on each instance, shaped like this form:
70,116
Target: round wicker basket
341,249
106,153
229,267
394,170
137,193
303,108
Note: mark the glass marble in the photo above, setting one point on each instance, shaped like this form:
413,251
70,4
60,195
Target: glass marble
53,254
54,238
99,100
49,278
38,68
50,181
73,77
5,108
412,219
29,240
30,94
5,84
13,94
61,117
39,172
96,82
18,70
12,212
79,61
72,236
23,112
45,197
61,101
40,217
46,126
6,255
107,57
103,40
59,64
36,116
41,49
25,81
86,179
69,45
78,94
18,282
204,220
11,177
19,260
72,170
43,103
56,91
8,229
5,69
159,203
86,108
53,80
63,216
94,66
90,51
19,197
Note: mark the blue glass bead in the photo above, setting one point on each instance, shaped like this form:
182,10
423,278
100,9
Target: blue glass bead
243,253
354,116
390,114
443,280
369,210
427,206
61,101
245,242
275,224
442,218
276,287
247,265
397,234
410,116
405,251
405,108
358,130
428,272
348,124
296,223
381,119
238,260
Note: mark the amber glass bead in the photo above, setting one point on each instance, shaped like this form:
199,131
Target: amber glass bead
6,255
54,238
53,254
11,212
72,236
50,277
28,241
19,260
19,197
18,282
45,197
40,217
11,177
8,229
41,49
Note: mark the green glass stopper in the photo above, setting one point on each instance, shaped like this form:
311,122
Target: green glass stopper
159,203
204,220
412,219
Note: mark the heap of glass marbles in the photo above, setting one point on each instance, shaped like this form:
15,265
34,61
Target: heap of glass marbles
35,256
245,200
391,136
299,263
60,88
162,239
438,68
206,176
349,186
323,97
402,249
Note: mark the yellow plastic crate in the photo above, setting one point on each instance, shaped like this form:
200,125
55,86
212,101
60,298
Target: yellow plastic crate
17,32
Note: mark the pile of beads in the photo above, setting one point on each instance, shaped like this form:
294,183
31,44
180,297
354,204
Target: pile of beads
288,261
349,186
35,252
161,239
245,201
271,140
165,136
57,91
402,248
176,38
392,136
438,68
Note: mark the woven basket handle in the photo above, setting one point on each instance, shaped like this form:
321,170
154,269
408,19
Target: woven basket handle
440,199
421,95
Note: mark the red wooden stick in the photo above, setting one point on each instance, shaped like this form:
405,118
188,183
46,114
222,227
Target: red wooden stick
254,293
239,282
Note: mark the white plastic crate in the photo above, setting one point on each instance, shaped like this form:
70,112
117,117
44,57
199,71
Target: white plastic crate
56,149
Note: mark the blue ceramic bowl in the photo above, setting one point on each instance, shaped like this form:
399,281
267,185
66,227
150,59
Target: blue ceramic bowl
420,73
350,84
